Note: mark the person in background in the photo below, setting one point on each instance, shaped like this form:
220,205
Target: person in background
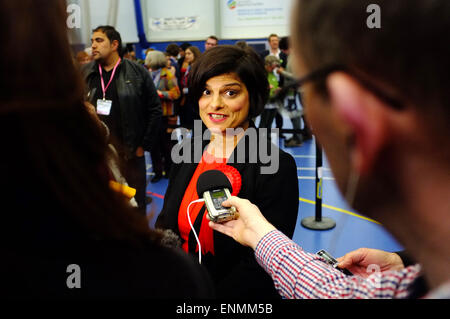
380,121
271,108
292,99
125,98
274,50
168,91
130,53
211,42
172,51
181,55
82,58
242,44
68,235
231,87
188,106
88,50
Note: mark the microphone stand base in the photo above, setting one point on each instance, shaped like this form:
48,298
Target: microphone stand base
324,224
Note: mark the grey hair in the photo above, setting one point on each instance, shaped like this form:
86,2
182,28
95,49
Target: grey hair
155,60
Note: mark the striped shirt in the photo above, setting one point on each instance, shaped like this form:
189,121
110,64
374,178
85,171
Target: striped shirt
298,274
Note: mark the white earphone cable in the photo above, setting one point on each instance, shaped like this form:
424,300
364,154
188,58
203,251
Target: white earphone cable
193,230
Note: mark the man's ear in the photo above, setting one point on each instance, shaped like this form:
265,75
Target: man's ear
115,45
365,116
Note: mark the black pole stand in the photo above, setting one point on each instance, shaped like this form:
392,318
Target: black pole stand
318,222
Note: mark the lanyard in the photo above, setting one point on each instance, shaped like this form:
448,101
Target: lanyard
110,80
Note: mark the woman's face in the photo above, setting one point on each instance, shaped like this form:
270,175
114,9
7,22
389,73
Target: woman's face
189,56
224,103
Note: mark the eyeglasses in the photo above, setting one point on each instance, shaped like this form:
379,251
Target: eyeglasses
322,73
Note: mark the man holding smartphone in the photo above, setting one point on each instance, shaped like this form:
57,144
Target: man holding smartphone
381,122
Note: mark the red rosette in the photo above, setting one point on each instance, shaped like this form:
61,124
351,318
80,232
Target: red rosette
233,176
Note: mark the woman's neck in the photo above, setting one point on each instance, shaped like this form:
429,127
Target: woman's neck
222,144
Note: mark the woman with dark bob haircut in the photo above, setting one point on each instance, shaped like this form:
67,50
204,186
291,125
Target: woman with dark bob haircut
246,64
231,88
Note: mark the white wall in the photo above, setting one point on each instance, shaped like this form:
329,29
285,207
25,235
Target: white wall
118,13
102,12
227,19
182,20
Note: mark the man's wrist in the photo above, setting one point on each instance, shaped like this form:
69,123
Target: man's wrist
261,233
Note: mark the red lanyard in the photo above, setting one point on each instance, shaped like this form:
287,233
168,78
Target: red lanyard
110,80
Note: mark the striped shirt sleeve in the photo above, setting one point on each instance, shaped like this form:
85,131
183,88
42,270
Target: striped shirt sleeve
298,274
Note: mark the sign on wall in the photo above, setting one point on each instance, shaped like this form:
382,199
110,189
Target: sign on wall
175,20
254,18
251,13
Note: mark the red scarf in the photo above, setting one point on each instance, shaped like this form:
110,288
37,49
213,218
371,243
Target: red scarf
208,162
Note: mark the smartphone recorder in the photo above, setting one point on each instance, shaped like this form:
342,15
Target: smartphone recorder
215,187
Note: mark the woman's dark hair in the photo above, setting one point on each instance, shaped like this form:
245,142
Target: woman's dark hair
55,181
225,59
113,35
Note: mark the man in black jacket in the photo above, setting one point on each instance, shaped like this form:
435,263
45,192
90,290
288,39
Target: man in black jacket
125,99
274,44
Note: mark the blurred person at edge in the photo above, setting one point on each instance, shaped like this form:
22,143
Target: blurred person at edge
168,91
381,114
126,100
58,207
